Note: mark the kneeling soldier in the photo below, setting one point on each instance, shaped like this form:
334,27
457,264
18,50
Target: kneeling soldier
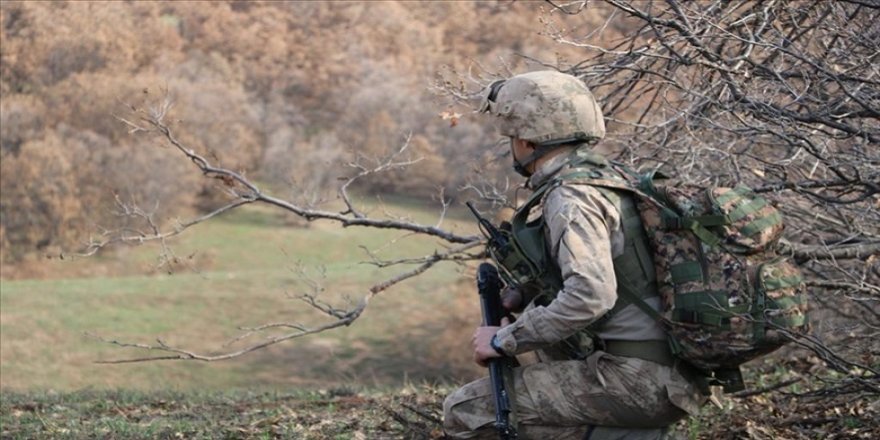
606,370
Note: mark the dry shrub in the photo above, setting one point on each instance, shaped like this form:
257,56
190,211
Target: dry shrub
22,117
285,92
40,205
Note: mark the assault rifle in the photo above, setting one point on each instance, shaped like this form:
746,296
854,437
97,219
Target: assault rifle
497,240
489,287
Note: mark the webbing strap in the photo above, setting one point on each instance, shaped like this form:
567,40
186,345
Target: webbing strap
580,175
711,220
629,215
627,293
701,300
702,233
787,302
535,197
762,224
707,307
646,185
789,321
782,283
582,156
629,171
717,318
750,207
522,213
654,351
735,193
672,221
685,272
758,308
692,317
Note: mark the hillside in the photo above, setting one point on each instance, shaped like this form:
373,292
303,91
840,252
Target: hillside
245,219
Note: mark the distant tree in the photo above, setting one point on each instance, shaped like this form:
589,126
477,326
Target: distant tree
263,88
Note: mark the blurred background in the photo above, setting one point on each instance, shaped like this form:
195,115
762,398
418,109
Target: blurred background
286,93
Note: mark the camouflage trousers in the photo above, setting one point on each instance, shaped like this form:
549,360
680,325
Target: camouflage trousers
608,396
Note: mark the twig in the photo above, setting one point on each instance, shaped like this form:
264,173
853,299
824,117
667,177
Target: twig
767,389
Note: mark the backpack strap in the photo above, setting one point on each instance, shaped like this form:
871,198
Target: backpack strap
636,256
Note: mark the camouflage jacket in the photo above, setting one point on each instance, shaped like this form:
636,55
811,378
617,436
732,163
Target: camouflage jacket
584,233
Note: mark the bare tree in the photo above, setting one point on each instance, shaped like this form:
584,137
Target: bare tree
781,96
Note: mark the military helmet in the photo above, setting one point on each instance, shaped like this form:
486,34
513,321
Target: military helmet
545,108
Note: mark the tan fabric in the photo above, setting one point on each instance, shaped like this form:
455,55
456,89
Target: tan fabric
585,234
562,400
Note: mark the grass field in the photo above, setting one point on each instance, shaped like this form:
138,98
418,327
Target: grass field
244,266
383,377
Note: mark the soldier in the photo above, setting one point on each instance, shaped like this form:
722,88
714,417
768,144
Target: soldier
605,367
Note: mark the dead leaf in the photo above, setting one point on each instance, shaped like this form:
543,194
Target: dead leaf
450,116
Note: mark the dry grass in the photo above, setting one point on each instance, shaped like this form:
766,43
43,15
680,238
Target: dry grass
243,283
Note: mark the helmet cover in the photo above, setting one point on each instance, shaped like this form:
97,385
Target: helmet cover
545,107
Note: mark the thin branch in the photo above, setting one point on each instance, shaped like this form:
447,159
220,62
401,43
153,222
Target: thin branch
125,236
767,389
841,252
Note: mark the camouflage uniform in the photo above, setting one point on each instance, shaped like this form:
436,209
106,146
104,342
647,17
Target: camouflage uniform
565,399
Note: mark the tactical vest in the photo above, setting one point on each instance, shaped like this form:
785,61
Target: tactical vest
527,262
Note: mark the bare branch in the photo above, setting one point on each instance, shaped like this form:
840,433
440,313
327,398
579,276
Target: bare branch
838,252
389,163
181,354
133,237
243,191
342,318
767,389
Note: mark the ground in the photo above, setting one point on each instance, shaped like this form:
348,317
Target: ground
362,382
411,412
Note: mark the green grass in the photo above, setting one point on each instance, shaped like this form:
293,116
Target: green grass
334,414
246,263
